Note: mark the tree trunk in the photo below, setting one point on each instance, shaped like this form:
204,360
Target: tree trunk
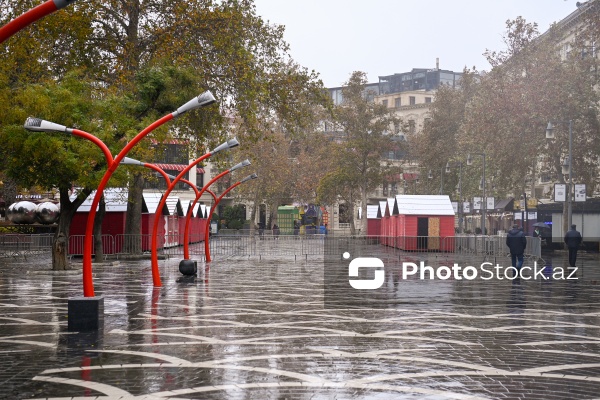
133,219
351,211
253,214
363,207
273,213
60,252
98,248
61,237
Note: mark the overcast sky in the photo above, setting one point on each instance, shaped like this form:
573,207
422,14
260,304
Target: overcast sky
383,37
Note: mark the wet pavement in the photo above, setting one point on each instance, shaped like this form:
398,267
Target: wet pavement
260,329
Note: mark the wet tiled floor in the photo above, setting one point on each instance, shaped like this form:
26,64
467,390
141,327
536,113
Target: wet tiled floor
259,329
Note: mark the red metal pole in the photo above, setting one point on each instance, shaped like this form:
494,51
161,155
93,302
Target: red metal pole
88,285
196,192
36,124
186,253
188,215
96,141
30,17
212,210
188,218
163,200
160,171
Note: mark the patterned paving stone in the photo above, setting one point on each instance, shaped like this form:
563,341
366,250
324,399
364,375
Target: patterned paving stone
260,328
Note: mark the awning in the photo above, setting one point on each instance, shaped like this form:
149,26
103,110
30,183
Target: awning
505,205
177,167
393,178
410,176
172,141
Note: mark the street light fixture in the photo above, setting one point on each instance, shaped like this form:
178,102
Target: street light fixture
484,201
567,167
168,178
36,124
460,216
214,207
154,256
186,252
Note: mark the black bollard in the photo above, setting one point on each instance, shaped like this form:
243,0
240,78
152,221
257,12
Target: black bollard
188,267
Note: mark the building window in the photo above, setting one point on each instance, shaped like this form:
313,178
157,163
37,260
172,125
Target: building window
545,177
412,100
344,214
397,102
427,99
385,103
174,154
160,184
412,128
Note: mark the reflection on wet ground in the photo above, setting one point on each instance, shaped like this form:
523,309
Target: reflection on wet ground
259,329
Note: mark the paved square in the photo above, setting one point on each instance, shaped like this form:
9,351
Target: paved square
258,329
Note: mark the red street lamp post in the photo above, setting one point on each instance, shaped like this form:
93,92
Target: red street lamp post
214,207
168,178
35,124
31,16
154,257
186,248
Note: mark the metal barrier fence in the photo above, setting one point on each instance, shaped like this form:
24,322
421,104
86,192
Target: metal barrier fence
494,246
23,245
269,245
75,246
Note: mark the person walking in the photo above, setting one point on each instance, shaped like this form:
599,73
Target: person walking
516,242
573,240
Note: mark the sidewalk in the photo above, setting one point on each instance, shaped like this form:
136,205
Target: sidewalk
259,329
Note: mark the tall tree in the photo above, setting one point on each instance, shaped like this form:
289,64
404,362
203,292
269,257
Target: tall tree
533,83
504,112
124,47
367,133
438,143
50,160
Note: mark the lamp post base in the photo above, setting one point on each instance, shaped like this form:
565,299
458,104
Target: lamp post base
85,314
188,267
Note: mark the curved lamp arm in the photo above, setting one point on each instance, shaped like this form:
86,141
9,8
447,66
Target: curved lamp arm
186,250
31,16
204,99
154,256
214,207
33,124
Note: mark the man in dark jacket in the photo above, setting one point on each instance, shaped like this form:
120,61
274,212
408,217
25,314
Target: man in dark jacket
516,242
573,240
